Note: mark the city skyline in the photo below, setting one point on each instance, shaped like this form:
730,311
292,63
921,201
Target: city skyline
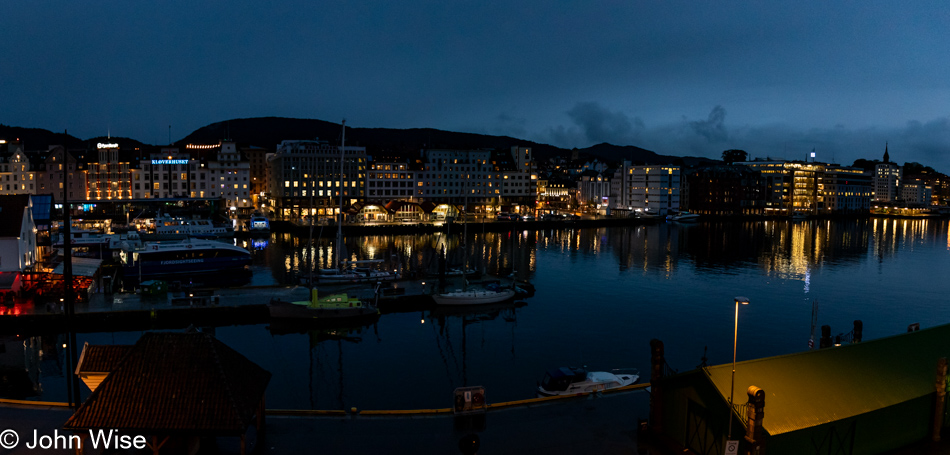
678,78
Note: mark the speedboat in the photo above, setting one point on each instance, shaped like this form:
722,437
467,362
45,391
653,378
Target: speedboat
683,217
572,381
336,306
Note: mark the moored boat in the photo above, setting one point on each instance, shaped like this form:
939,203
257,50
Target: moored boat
474,296
571,381
258,225
335,306
190,256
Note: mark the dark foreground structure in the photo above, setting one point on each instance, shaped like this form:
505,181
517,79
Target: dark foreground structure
175,388
862,398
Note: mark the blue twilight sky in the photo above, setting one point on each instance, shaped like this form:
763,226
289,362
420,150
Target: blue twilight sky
677,77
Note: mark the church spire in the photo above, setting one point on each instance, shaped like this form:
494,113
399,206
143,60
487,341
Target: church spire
887,158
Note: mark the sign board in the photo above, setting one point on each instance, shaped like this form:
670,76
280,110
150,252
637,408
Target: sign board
732,448
169,161
470,400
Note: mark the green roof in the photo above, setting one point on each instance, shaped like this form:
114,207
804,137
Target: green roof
815,387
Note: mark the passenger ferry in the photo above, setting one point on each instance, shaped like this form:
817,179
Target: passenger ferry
200,228
189,256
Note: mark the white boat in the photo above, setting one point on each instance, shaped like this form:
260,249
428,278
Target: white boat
355,272
166,225
473,296
572,381
683,217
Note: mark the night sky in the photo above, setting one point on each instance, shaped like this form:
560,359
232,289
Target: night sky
677,77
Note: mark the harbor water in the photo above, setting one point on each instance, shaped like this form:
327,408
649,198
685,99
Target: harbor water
601,295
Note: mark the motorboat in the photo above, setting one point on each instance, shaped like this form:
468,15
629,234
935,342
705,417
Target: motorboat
258,224
492,293
189,256
683,217
572,381
335,306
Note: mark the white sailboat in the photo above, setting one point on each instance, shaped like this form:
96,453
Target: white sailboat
467,295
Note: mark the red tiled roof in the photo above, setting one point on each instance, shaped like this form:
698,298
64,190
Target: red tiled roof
101,358
176,382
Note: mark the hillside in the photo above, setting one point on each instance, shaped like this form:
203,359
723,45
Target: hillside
267,132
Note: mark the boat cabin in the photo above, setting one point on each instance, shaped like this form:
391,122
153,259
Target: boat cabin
559,379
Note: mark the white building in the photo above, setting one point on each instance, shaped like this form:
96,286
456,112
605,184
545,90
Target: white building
887,180
916,193
17,233
652,189
845,190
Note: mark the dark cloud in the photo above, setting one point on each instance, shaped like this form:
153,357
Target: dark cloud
714,127
925,142
599,124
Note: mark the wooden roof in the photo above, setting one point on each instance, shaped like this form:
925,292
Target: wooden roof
173,383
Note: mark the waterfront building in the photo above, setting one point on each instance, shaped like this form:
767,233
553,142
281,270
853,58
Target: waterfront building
169,174
887,180
790,186
110,177
558,194
916,193
229,176
651,189
17,175
304,178
17,233
593,190
392,180
65,174
257,159
488,181
845,190
725,190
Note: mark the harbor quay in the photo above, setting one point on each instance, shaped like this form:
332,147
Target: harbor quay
599,423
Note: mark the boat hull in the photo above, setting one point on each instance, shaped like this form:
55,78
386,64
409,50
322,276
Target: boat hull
150,269
478,297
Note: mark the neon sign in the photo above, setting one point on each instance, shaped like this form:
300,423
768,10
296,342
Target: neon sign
107,146
169,161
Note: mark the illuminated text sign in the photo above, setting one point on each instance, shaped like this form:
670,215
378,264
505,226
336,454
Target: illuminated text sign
169,161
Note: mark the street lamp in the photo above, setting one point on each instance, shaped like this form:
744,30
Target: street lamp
735,338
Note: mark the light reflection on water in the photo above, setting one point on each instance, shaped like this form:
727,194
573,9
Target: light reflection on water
602,294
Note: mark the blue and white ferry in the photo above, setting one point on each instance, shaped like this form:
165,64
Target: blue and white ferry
189,256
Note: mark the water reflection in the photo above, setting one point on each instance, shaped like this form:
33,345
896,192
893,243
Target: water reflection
783,249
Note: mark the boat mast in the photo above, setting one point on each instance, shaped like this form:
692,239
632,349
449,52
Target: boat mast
310,242
339,227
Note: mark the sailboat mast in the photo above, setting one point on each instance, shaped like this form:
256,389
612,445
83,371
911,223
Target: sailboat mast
339,227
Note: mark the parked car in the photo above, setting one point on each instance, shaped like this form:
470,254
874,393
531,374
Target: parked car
528,217
552,217
571,217
505,216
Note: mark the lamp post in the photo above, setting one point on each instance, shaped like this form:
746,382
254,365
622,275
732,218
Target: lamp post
735,339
